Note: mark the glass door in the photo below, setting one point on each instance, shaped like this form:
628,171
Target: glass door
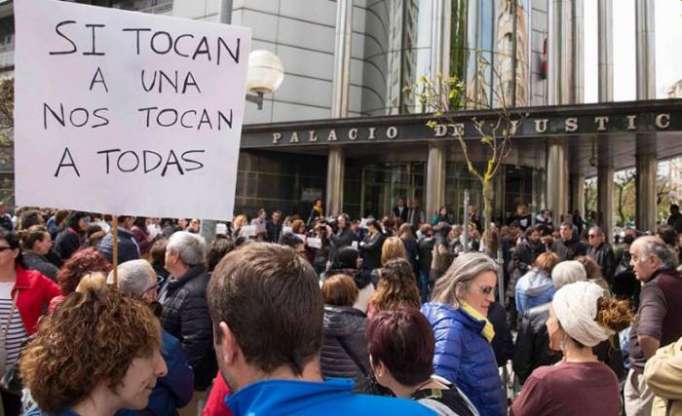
384,183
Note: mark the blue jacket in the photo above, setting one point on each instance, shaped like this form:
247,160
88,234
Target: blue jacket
127,246
334,397
533,288
465,358
175,389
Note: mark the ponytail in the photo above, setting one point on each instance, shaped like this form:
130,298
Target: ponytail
614,314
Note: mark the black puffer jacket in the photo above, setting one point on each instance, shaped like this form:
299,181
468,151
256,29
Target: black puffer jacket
185,316
344,345
532,343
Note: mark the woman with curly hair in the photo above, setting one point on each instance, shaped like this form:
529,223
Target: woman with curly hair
84,261
397,287
98,353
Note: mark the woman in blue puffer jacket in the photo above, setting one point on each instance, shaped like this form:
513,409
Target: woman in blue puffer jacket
458,314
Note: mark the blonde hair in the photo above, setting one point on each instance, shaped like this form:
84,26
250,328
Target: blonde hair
393,248
95,282
240,221
454,284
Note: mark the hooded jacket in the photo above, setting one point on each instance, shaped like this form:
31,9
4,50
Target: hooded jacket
465,358
663,373
533,288
331,398
344,345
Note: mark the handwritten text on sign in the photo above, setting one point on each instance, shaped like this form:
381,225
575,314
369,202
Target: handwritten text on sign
125,112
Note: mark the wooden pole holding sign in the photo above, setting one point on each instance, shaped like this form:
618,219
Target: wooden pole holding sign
114,252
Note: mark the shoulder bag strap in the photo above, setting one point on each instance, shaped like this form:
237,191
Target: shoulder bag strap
5,330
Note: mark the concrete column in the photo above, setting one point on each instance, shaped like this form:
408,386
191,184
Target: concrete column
605,186
578,51
557,178
578,192
605,49
342,54
645,155
339,109
435,179
645,52
554,58
646,164
440,37
335,169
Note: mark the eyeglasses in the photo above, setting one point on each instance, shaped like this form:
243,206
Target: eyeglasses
487,290
592,236
149,289
5,248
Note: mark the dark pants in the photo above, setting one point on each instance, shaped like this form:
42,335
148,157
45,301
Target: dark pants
11,403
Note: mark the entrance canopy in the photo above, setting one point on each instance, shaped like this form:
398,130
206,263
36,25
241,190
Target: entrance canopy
583,127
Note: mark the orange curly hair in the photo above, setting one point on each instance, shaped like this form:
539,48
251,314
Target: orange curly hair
91,337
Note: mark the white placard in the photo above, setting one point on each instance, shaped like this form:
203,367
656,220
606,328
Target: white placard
248,231
127,113
314,242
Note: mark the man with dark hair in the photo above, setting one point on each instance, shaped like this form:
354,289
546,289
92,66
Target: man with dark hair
659,317
267,310
343,238
400,210
569,246
675,218
600,250
274,226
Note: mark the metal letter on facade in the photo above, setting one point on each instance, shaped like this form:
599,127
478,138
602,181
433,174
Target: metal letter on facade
663,121
392,132
541,125
276,137
571,125
294,138
601,121
631,122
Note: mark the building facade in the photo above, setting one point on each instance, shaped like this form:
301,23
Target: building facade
349,61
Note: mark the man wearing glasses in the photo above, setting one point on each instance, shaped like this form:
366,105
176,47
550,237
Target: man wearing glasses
569,246
659,317
602,253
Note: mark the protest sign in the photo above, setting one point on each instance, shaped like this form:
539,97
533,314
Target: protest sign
127,113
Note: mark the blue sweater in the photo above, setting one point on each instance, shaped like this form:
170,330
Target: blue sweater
334,397
465,358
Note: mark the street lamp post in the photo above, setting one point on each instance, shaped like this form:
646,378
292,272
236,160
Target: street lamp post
264,76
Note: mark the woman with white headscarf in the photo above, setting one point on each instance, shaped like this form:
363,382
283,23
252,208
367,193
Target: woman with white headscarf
581,316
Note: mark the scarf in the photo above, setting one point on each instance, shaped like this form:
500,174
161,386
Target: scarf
488,332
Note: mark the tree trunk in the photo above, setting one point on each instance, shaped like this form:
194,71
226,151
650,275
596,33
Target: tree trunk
488,203
621,213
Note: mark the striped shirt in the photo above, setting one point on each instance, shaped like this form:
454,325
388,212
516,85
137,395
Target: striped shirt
16,335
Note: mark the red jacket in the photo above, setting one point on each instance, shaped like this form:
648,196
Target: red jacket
34,294
215,403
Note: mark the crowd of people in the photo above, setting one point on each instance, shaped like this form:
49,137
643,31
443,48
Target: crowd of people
327,315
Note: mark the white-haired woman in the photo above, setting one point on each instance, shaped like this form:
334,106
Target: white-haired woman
458,314
580,317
